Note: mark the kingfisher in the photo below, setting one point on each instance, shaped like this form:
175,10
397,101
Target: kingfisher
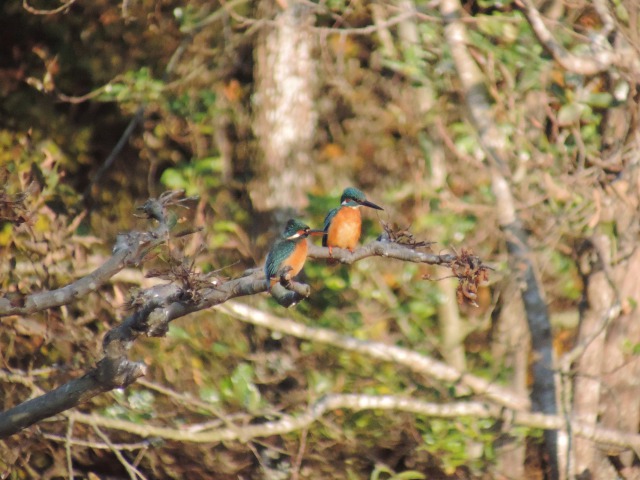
343,225
289,251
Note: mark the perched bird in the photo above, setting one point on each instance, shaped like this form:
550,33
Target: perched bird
289,251
343,225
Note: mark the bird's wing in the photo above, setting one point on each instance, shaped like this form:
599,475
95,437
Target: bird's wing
327,222
278,253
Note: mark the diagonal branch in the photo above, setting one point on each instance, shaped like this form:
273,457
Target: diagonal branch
108,375
414,361
130,249
39,301
602,55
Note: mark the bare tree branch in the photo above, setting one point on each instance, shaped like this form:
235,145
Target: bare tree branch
129,250
98,445
381,249
108,375
39,301
133,472
414,361
357,403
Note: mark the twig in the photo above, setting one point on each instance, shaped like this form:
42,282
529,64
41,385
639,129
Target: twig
131,470
97,445
129,250
22,378
67,448
295,467
124,138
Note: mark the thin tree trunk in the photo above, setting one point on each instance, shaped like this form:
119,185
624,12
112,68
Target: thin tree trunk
510,350
495,146
620,398
285,115
599,297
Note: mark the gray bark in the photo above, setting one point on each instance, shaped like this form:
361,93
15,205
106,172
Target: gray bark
285,115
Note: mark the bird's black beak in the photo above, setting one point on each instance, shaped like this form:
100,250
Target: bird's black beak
369,204
315,232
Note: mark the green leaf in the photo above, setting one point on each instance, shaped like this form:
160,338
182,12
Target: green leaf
178,333
209,395
600,100
570,114
409,475
208,165
173,178
380,469
243,389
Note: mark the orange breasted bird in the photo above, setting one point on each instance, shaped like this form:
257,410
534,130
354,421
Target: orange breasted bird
343,225
289,251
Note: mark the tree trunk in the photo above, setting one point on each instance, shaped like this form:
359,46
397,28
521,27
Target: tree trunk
285,116
510,350
599,297
621,371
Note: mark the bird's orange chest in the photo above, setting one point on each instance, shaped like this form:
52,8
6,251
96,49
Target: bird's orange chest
297,258
345,228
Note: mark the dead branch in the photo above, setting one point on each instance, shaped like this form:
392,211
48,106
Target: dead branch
357,403
108,375
130,249
133,244
414,361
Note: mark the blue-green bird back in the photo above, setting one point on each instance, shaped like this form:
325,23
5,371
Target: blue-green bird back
280,251
327,222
